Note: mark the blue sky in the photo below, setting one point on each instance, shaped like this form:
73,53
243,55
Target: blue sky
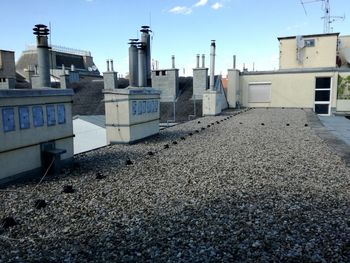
247,28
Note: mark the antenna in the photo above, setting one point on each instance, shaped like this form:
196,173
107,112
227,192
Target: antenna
327,17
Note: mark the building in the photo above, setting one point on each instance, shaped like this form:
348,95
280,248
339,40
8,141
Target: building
313,73
7,69
77,63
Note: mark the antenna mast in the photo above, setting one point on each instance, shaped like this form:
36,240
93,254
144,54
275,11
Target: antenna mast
327,18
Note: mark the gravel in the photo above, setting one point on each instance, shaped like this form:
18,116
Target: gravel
235,191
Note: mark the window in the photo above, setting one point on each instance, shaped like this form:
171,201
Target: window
163,72
38,116
309,42
259,92
51,115
24,117
61,111
322,95
8,119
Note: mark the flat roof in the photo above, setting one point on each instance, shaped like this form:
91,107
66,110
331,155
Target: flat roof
315,35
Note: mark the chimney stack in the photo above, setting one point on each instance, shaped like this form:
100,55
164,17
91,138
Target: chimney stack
203,61
234,61
41,31
107,65
133,63
146,43
212,64
197,65
172,61
142,80
112,68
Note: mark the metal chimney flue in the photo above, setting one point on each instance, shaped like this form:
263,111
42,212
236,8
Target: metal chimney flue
146,43
112,67
133,63
107,65
212,64
197,65
234,61
41,31
203,61
172,61
142,80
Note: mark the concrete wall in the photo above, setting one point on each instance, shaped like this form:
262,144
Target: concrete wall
323,54
7,70
344,50
288,89
233,87
200,82
167,81
131,114
22,130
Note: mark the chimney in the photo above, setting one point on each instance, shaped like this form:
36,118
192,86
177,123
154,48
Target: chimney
197,61
41,31
212,64
172,61
203,61
146,42
107,61
133,63
112,68
234,61
142,80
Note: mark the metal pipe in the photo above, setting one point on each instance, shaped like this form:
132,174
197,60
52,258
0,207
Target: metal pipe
133,63
203,61
172,61
142,69
107,65
41,32
197,61
212,64
234,61
146,41
112,68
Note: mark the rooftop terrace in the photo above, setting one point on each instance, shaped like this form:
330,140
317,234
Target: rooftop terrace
258,186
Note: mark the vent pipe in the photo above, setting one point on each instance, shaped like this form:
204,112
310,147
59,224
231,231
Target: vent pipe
203,61
41,32
146,42
112,68
142,80
133,63
212,64
197,61
172,61
107,65
234,61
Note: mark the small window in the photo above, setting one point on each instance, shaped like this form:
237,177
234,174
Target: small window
38,116
309,42
8,119
61,112
323,83
51,115
24,117
157,73
163,72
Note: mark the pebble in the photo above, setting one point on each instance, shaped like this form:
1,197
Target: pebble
233,193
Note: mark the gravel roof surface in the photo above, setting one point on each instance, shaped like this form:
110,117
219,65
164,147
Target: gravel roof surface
260,186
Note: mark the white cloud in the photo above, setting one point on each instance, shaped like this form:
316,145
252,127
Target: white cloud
201,3
182,10
217,6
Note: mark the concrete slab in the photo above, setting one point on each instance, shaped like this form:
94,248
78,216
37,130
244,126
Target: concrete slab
338,125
